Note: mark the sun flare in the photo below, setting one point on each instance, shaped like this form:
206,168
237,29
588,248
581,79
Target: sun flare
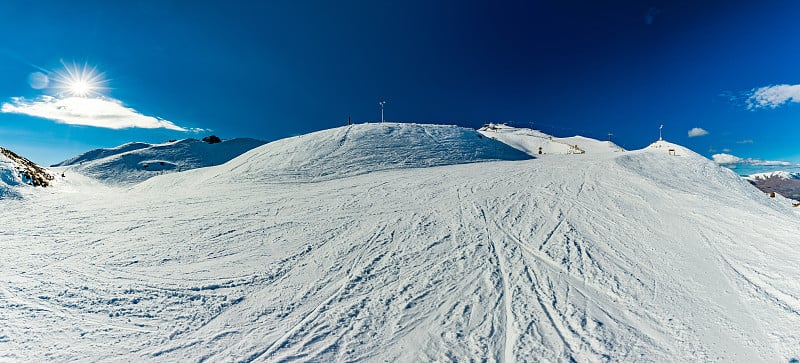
80,88
78,81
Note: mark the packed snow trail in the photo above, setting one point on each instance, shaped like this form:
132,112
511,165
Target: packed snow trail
635,256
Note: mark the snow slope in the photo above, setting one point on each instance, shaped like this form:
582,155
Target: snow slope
529,141
134,162
635,256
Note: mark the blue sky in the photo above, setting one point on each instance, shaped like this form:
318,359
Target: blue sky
272,69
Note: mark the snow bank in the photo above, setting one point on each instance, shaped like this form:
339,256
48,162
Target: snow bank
134,162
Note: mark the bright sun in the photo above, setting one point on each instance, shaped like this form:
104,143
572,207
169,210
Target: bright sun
80,88
79,81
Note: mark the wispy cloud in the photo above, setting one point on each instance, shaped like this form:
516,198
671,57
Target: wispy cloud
728,159
773,96
748,141
695,132
98,112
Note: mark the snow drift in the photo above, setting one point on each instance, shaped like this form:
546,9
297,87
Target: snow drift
620,256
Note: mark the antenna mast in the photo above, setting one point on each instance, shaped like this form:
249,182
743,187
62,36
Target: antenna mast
382,103
659,133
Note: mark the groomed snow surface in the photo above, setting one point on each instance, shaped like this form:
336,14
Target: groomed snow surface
405,243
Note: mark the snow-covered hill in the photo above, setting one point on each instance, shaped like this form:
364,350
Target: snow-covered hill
357,149
533,141
646,255
134,162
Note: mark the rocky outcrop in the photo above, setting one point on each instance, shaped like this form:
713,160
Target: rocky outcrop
29,172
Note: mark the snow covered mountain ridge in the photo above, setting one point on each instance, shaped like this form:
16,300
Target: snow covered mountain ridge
784,183
96,154
134,162
773,174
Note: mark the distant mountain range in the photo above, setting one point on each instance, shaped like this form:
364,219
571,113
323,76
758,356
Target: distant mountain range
784,183
137,161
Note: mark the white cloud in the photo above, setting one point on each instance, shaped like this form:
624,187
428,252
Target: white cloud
97,112
724,159
748,141
768,162
695,132
728,159
773,96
